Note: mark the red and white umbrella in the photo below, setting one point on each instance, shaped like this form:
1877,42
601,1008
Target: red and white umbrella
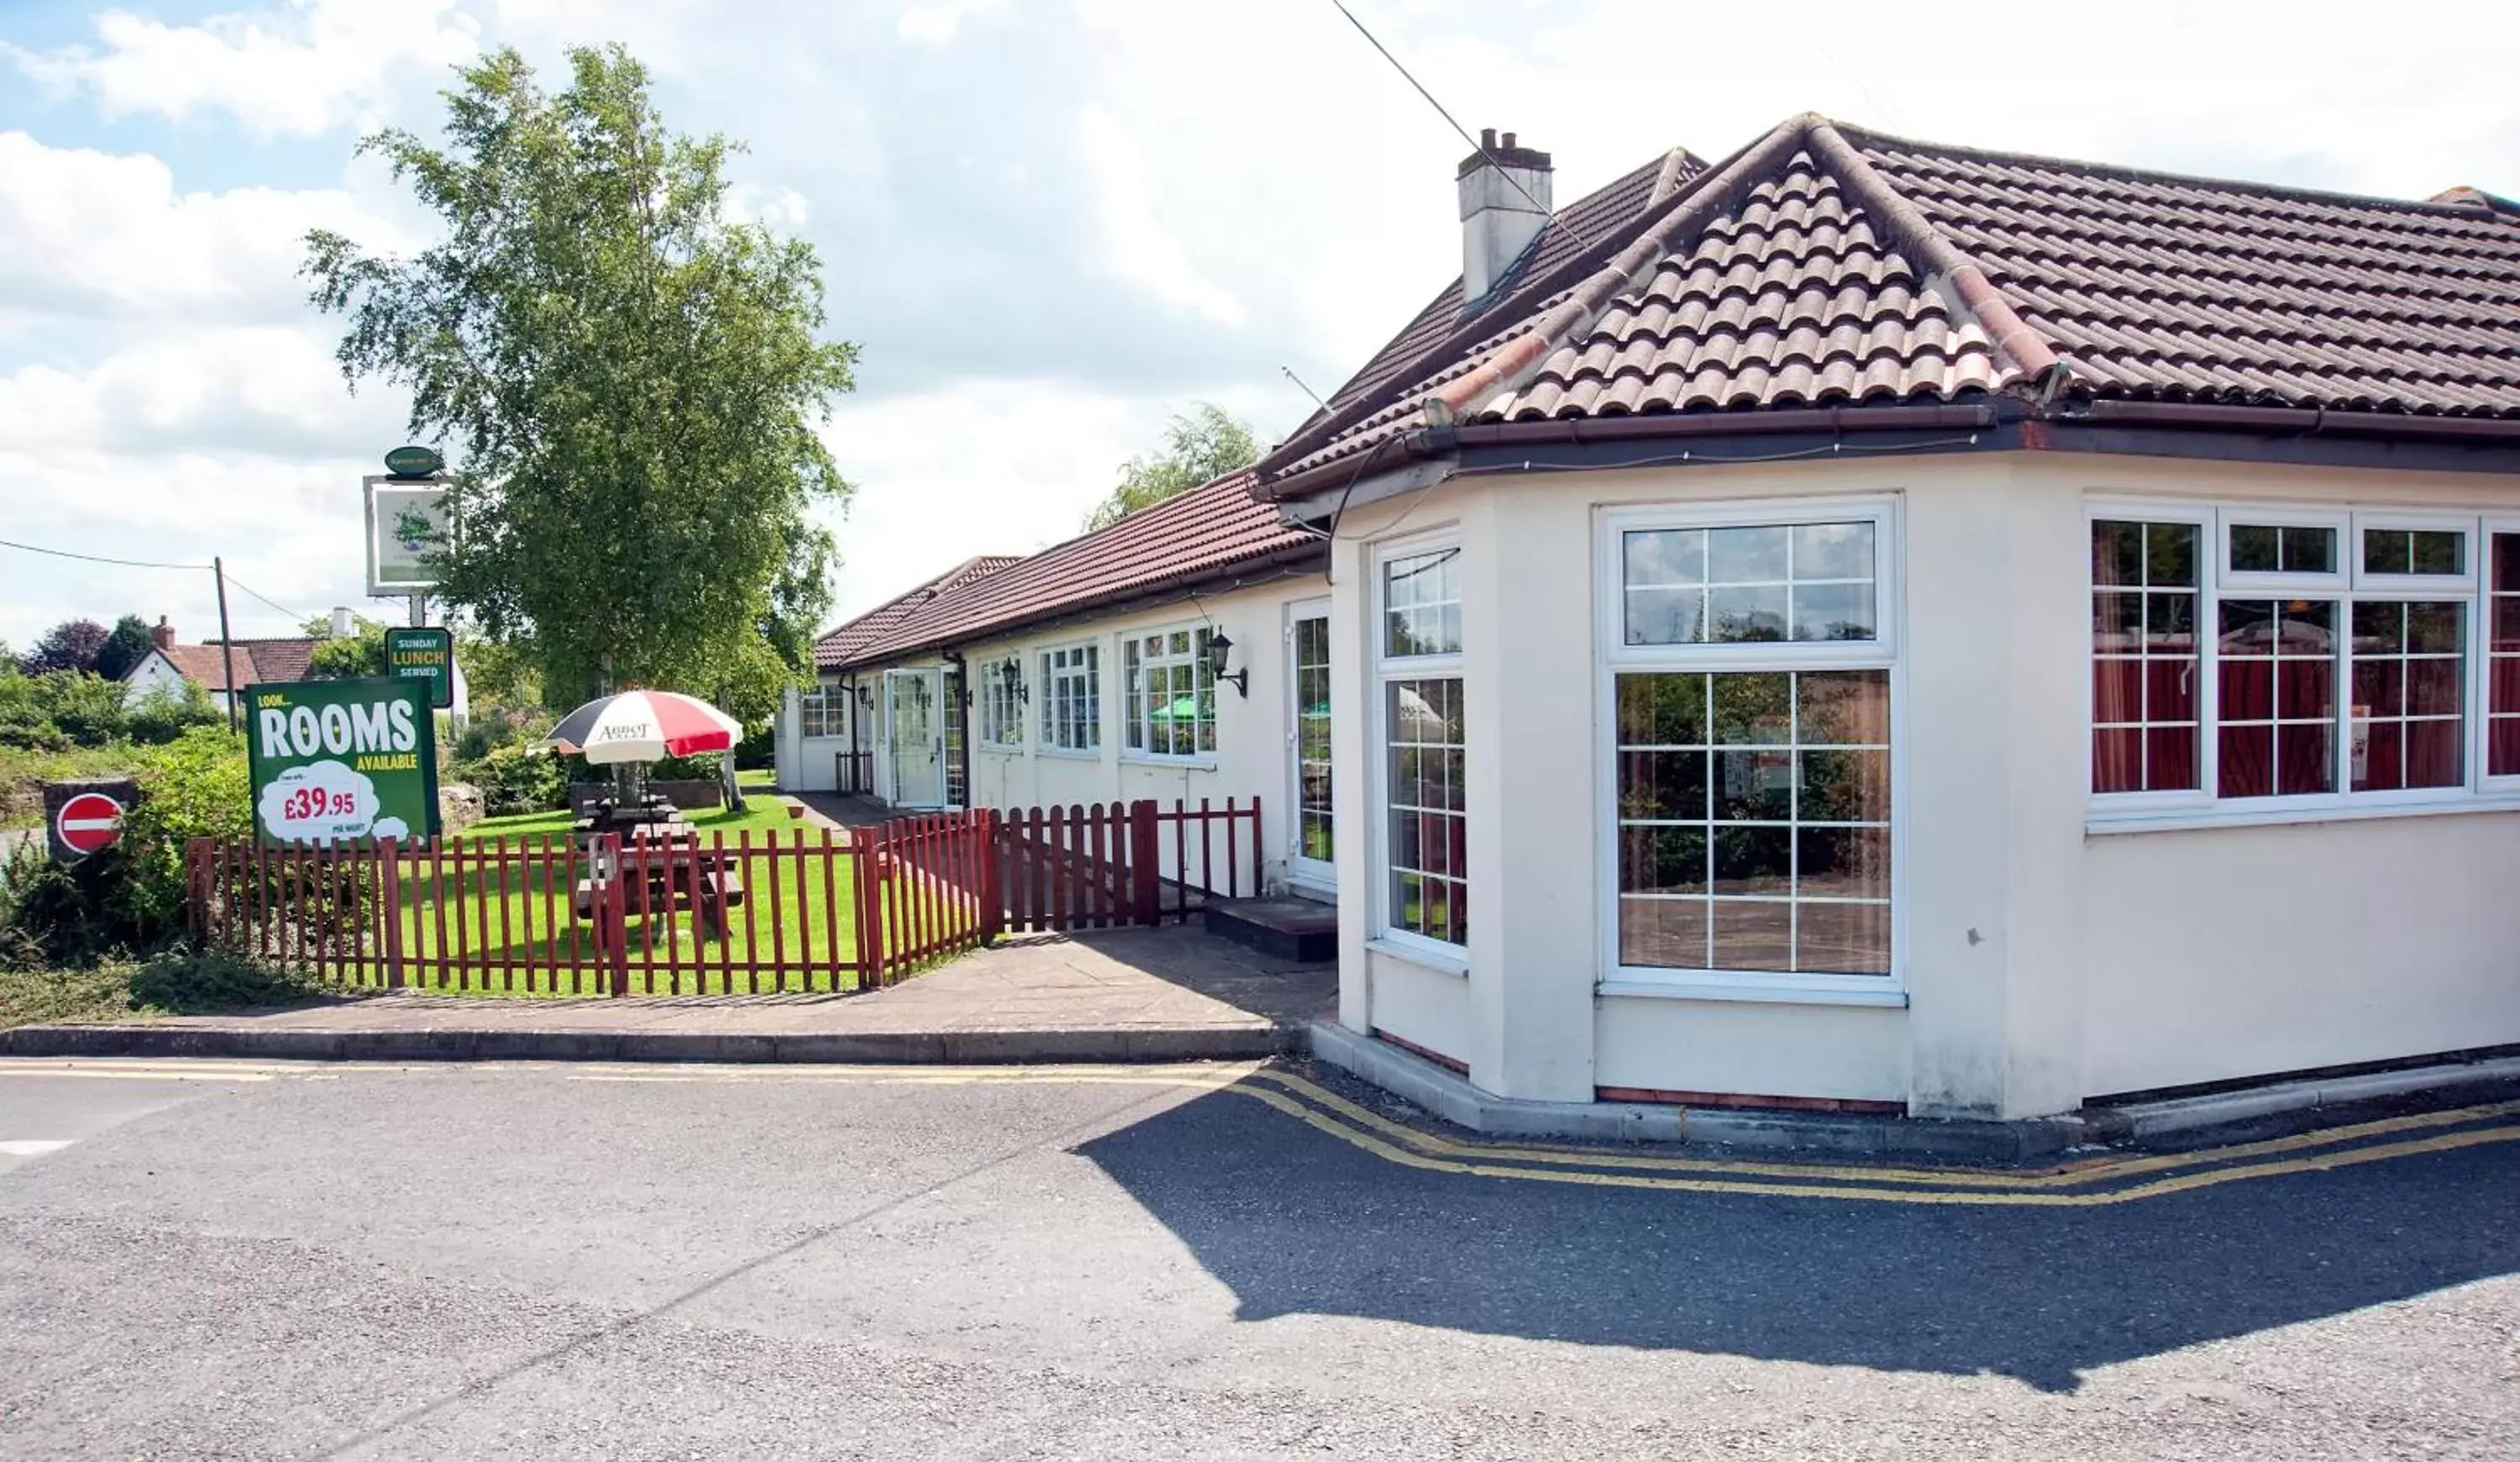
644,725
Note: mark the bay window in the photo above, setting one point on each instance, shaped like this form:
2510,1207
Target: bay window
2308,659
1071,689
1749,656
1422,781
1171,694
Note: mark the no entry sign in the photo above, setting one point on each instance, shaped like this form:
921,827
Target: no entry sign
88,823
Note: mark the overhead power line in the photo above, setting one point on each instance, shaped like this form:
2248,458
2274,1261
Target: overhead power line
94,558
1477,145
90,557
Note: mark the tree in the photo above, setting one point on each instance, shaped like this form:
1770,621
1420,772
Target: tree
72,645
128,645
357,655
632,380
1198,448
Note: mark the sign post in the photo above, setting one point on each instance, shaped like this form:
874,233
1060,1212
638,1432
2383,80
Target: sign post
342,760
426,656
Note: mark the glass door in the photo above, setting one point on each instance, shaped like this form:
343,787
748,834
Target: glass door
912,703
1310,857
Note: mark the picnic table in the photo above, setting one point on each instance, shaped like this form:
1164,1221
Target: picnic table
680,875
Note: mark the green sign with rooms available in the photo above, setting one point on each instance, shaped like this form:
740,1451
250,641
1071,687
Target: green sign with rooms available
342,760
426,656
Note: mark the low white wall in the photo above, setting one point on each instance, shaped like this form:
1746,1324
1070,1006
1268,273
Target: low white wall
1847,1053
2234,953
1424,1007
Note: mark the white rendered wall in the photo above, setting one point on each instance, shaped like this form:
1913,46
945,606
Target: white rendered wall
2222,953
1253,757
154,675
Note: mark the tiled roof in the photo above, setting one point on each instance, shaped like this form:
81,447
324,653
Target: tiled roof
1202,534
2153,286
1570,231
838,645
257,662
1827,265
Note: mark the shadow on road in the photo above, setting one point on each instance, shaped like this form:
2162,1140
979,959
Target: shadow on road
1295,1221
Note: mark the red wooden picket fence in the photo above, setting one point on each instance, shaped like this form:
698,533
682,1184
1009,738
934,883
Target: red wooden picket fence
805,913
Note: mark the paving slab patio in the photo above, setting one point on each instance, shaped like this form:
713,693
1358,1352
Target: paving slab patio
1168,994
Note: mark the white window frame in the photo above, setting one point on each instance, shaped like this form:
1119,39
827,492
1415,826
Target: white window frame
1133,659
2147,811
1386,669
2211,551
1002,707
1614,656
2415,585
2506,786
1091,673
2340,521
830,703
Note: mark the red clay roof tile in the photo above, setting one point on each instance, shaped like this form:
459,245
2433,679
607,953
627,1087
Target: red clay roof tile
2147,284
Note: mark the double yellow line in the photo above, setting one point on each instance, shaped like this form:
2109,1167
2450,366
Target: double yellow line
2094,1182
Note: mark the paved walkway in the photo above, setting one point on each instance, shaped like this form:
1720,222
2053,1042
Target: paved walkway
1135,994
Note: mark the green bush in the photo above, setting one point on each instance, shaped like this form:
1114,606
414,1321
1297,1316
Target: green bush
164,714
515,779
61,914
59,708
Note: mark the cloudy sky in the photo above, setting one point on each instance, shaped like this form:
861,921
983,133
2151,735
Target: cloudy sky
1048,224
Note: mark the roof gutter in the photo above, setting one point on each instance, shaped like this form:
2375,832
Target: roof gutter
2292,421
1425,442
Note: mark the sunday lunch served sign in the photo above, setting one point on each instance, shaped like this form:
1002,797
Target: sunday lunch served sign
342,760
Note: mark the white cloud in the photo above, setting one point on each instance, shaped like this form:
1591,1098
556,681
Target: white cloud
928,24
1140,247
306,68
101,235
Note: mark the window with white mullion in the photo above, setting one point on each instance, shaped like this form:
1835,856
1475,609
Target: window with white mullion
1001,697
2500,637
1072,718
1169,694
2339,662
1421,782
1750,780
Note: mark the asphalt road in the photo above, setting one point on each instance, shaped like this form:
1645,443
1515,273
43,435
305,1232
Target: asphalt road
202,1260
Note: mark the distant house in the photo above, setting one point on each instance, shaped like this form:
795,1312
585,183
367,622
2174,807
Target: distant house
168,665
1864,623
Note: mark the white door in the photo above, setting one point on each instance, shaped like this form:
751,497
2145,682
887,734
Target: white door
916,738
1311,845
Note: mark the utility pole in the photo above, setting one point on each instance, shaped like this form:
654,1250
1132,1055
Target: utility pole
227,644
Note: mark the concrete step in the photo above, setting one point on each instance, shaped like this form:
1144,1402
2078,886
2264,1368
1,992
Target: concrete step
1302,929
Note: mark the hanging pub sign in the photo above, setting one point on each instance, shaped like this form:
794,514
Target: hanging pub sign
407,523
425,655
342,760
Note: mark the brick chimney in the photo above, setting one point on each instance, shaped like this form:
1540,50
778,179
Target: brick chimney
163,635
1504,205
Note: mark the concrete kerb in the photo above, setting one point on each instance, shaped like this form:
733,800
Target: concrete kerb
2288,1105
1017,1047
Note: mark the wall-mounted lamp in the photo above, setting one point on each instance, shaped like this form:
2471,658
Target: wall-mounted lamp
865,695
1218,649
1011,674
